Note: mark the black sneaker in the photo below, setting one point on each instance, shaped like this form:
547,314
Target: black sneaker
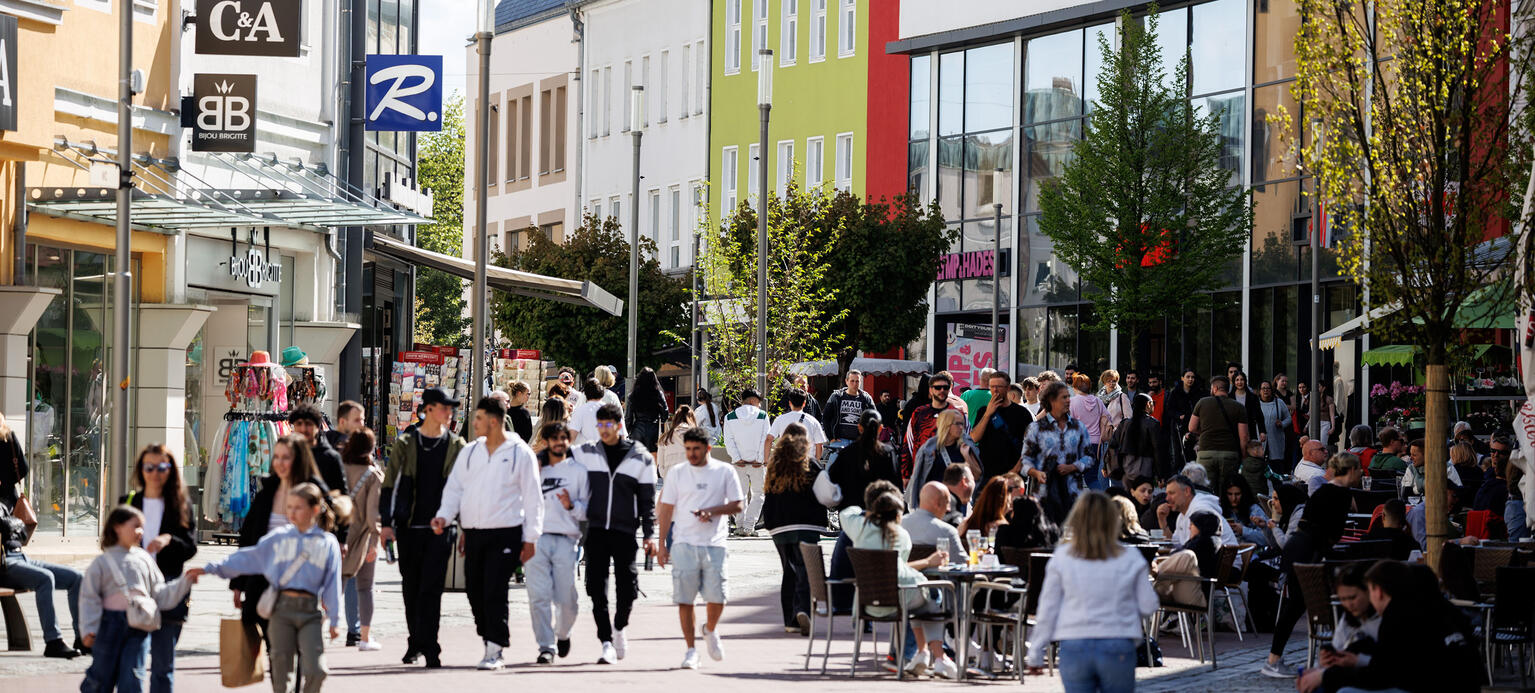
81,648
410,656
58,650
519,575
433,662
564,648
546,658
352,638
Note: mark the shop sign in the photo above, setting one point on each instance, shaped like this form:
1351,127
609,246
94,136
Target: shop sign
253,269
402,192
976,264
404,93
8,70
224,118
227,265
249,27
969,352
226,359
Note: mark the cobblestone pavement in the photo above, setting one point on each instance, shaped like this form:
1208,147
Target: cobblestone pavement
758,653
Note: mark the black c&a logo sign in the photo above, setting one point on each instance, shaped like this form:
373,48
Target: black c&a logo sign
249,27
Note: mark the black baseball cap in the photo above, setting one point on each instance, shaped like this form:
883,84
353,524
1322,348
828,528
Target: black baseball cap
437,395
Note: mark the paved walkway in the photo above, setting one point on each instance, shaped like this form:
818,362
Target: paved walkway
758,654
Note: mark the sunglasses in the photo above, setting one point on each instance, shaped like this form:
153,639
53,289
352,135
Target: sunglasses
607,425
163,467
940,388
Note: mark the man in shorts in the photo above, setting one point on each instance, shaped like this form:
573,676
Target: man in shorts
695,501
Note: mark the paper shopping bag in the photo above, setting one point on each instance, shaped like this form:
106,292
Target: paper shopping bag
241,662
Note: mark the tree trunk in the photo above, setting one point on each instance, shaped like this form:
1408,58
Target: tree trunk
1436,453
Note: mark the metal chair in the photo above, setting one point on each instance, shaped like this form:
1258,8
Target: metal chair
1234,561
876,586
1315,589
1512,621
820,594
1038,562
1205,611
1012,614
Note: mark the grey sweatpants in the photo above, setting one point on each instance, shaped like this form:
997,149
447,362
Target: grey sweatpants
296,630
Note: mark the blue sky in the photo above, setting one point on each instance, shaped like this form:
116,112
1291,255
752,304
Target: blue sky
446,26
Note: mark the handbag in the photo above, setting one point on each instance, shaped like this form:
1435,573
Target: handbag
268,602
143,611
23,510
240,660
827,492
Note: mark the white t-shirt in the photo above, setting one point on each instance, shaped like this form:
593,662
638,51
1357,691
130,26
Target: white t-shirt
154,516
812,427
690,488
584,422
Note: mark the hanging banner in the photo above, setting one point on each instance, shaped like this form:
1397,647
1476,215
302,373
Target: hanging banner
404,93
8,69
968,352
224,118
250,27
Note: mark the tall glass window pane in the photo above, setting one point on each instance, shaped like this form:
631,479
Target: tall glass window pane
1052,81
989,87
1273,148
1228,107
1279,212
389,27
950,158
407,26
1031,340
916,169
921,95
984,154
373,26
1173,38
1063,337
975,294
1048,150
1275,25
951,93
1046,279
1092,60
1217,45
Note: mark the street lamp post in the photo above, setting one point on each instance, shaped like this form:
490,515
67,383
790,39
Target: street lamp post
486,31
996,268
764,107
122,280
1314,428
636,108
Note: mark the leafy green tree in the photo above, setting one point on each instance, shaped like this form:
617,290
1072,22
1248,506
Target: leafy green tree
585,337
1144,212
440,307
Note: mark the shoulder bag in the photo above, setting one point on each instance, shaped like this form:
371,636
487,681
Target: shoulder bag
143,611
23,510
268,602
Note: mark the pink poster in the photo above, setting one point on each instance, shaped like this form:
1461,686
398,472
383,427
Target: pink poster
969,352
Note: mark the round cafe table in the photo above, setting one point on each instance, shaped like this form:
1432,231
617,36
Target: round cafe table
964,578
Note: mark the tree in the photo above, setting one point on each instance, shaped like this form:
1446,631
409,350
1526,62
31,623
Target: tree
802,309
1418,136
440,312
1144,212
879,270
581,336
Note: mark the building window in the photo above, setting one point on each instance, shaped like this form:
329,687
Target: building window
628,102
730,170
593,90
607,100
512,125
785,166
645,82
759,32
662,78
559,128
655,219
732,37
818,32
753,164
701,73
847,28
845,161
597,211
687,80
525,147
617,205
815,153
788,40
545,130
490,164
676,214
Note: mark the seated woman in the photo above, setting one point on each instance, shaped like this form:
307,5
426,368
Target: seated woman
988,513
1028,525
879,527
1240,507
1197,557
1132,532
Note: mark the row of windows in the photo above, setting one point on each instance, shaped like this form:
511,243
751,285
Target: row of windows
669,213
689,75
522,116
813,165
788,34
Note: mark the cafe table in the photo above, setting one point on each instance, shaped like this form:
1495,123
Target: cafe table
964,578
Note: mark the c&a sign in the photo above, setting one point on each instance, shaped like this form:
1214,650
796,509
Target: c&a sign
224,113
249,27
404,93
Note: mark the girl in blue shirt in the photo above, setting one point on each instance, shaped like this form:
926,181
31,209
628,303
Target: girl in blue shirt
303,562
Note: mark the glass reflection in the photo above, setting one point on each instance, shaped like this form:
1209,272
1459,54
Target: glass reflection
1172,39
1092,57
984,154
1228,108
921,96
951,93
1053,77
1049,148
950,159
989,87
1217,38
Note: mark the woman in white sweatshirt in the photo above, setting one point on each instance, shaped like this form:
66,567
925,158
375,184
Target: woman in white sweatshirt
1095,595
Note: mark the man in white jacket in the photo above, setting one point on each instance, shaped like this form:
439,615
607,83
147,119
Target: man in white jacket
746,432
1183,497
495,492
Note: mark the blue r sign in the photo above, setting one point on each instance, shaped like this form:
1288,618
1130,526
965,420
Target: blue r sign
404,93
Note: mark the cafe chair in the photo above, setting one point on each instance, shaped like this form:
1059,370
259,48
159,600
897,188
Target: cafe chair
820,595
1316,593
1229,577
1005,606
876,586
1512,621
1198,612
922,551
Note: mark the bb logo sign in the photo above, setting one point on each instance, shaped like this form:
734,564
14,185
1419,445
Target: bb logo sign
404,93
254,269
249,27
225,113
8,69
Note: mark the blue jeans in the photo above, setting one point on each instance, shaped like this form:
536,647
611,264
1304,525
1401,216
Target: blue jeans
349,597
1098,665
1513,516
24,573
162,649
117,658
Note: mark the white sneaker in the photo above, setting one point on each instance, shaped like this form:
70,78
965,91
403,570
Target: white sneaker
608,655
917,665
690,660
369,646
1276,670
716,649
492,660
620,643
946,668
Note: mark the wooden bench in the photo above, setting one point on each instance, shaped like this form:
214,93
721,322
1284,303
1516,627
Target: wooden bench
18,637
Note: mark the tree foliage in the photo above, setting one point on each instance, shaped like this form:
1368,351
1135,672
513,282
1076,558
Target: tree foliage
803,311
1143,211
585,337
440,314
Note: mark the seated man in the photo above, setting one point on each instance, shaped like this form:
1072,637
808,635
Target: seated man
926,525
23,573
1353,639
960,482
1392,527
1389,459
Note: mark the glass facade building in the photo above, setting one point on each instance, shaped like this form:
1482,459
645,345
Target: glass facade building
1011,107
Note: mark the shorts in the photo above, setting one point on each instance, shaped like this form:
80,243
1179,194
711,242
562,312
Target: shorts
698,570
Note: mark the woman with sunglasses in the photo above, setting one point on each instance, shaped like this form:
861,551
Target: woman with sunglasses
160,495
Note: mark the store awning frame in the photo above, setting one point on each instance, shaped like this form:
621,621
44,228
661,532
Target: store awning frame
574,291
150,211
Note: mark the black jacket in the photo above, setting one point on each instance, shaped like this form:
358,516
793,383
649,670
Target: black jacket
852,473
522,423
1028,527
623,499
254,527
12,461
794,510
1421,647
328,461
832,420
182,547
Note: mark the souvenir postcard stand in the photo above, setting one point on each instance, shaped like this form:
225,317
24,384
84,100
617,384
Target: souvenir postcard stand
414,372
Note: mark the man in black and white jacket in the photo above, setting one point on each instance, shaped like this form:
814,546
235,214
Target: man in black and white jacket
497,495
621,476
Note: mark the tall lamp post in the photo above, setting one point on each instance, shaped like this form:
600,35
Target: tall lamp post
636,108
996,267
1314,428
486,31
122,280
764,107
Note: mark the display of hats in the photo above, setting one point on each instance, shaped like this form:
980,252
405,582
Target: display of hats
292,356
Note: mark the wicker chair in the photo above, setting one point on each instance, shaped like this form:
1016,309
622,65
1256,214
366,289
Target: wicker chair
1316,593
820,594
876,585
921,551
1485,563
1234,561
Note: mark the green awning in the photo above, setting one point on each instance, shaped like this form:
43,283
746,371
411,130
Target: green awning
1393,355
1490,307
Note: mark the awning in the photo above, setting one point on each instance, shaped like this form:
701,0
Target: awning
311,209
891,367
1353,328
149,211
1487,308
1403,354
814,369
574,291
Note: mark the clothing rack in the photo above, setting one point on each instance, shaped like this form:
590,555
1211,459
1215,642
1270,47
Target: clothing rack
255,416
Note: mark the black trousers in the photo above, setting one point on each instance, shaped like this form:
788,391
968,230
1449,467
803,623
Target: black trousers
794,590
490,558
423,570
1301,548
619,548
